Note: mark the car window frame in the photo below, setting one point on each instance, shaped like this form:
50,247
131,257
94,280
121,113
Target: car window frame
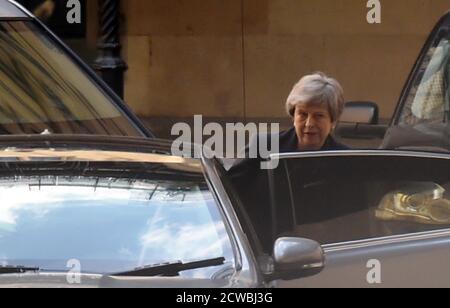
246,255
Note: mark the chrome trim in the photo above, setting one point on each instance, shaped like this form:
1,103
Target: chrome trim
247,257
226,216
382,241
361,153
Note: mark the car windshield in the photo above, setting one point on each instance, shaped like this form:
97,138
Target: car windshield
43,91
110,218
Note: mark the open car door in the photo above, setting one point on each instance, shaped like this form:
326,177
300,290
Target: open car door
383,218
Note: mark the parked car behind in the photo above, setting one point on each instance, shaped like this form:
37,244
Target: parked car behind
46,88
422,116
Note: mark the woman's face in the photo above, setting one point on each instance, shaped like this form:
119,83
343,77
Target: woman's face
313,125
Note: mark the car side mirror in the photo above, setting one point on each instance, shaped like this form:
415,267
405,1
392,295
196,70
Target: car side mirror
297,258
360,120
361,113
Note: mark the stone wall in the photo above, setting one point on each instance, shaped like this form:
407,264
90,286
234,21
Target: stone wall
240,58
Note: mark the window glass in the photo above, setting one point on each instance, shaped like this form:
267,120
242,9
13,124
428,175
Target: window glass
340,199
110,220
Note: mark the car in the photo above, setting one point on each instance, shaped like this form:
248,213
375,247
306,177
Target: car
96,211
89,200
422,114
46,89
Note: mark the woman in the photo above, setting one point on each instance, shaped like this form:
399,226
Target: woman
315,105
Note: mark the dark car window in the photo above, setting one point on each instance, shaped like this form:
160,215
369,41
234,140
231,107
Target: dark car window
428,98
341,199
43,91
110,217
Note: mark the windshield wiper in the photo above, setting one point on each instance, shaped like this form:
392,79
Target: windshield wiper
5,270
170,269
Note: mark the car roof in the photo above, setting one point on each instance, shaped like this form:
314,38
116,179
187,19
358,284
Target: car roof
11,9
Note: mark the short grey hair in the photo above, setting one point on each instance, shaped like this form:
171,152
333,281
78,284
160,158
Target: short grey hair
320,90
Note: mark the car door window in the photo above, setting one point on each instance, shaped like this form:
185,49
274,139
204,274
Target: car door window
347,198
428,97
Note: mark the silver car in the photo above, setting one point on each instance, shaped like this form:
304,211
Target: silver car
82,208
108,211
80,211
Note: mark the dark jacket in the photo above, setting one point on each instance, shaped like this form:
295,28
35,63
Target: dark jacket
252,187
289,143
